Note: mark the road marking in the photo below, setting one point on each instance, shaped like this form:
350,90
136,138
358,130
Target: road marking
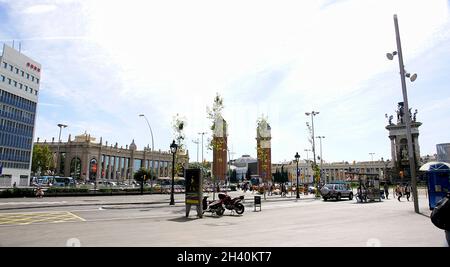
38,217
33,203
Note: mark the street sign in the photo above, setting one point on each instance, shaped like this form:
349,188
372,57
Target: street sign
193,190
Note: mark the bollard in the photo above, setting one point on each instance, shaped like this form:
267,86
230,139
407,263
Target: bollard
257,202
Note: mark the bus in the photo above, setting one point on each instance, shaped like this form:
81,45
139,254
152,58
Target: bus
54,181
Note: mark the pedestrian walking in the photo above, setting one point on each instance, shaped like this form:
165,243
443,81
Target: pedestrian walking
386,190
407,191
398,192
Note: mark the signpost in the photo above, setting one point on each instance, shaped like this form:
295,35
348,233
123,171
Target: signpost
194,190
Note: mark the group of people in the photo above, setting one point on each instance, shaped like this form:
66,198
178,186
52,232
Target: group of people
399,191
403,190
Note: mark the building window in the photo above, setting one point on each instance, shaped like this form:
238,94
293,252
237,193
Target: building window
32,78
3,78
31,90
11,67
5,65
35,92
37,80
17,70
28,76
20,85
22,73
9,81
26,88
15,84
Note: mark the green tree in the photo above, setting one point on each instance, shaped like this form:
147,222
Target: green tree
233,177
42,159
143,175
248,175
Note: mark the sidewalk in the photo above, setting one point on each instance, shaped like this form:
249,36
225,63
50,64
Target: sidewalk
155,199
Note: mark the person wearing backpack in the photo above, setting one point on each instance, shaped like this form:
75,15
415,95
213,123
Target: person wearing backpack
440,216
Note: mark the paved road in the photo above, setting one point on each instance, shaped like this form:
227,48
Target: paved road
307,222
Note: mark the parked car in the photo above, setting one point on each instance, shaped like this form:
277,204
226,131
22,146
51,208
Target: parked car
336,191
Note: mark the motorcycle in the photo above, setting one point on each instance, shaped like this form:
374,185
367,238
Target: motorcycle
215,206
233,204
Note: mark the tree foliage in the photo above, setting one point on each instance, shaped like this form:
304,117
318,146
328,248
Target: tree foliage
212,114
178,126
143,175
42,159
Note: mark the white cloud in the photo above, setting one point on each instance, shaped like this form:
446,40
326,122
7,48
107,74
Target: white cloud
39,9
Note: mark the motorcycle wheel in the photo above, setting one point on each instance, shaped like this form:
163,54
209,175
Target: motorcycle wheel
239,208
220,211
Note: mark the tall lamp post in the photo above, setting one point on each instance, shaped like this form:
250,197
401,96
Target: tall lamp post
151,132
202,133
407,118
321,159
60,125
173,149
297,157
312,114
196,142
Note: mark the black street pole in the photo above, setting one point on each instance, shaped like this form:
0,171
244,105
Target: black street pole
172,200
298,193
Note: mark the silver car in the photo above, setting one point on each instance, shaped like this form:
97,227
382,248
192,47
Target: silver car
336,191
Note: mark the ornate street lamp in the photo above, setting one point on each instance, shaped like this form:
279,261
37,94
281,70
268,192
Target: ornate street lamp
297,157
173,149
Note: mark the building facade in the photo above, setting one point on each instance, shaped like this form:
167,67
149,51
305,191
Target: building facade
443,152
85,159
243,165
335,171
19,89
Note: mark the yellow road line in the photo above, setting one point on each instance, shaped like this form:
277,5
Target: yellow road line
76,216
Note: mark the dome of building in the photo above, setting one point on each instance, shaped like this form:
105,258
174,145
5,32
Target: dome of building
133,145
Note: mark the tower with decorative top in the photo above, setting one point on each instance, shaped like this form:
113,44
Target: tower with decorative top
263,149
399,144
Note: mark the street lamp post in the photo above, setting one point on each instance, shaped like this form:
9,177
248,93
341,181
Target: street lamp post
202,133
151,132
196,142
60,125
173,149
297,157
321,159
407,118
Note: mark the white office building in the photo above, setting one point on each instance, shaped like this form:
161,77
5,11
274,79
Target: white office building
19,91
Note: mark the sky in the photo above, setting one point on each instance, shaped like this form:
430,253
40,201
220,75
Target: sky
106,62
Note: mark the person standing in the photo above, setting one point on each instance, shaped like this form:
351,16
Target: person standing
386,190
